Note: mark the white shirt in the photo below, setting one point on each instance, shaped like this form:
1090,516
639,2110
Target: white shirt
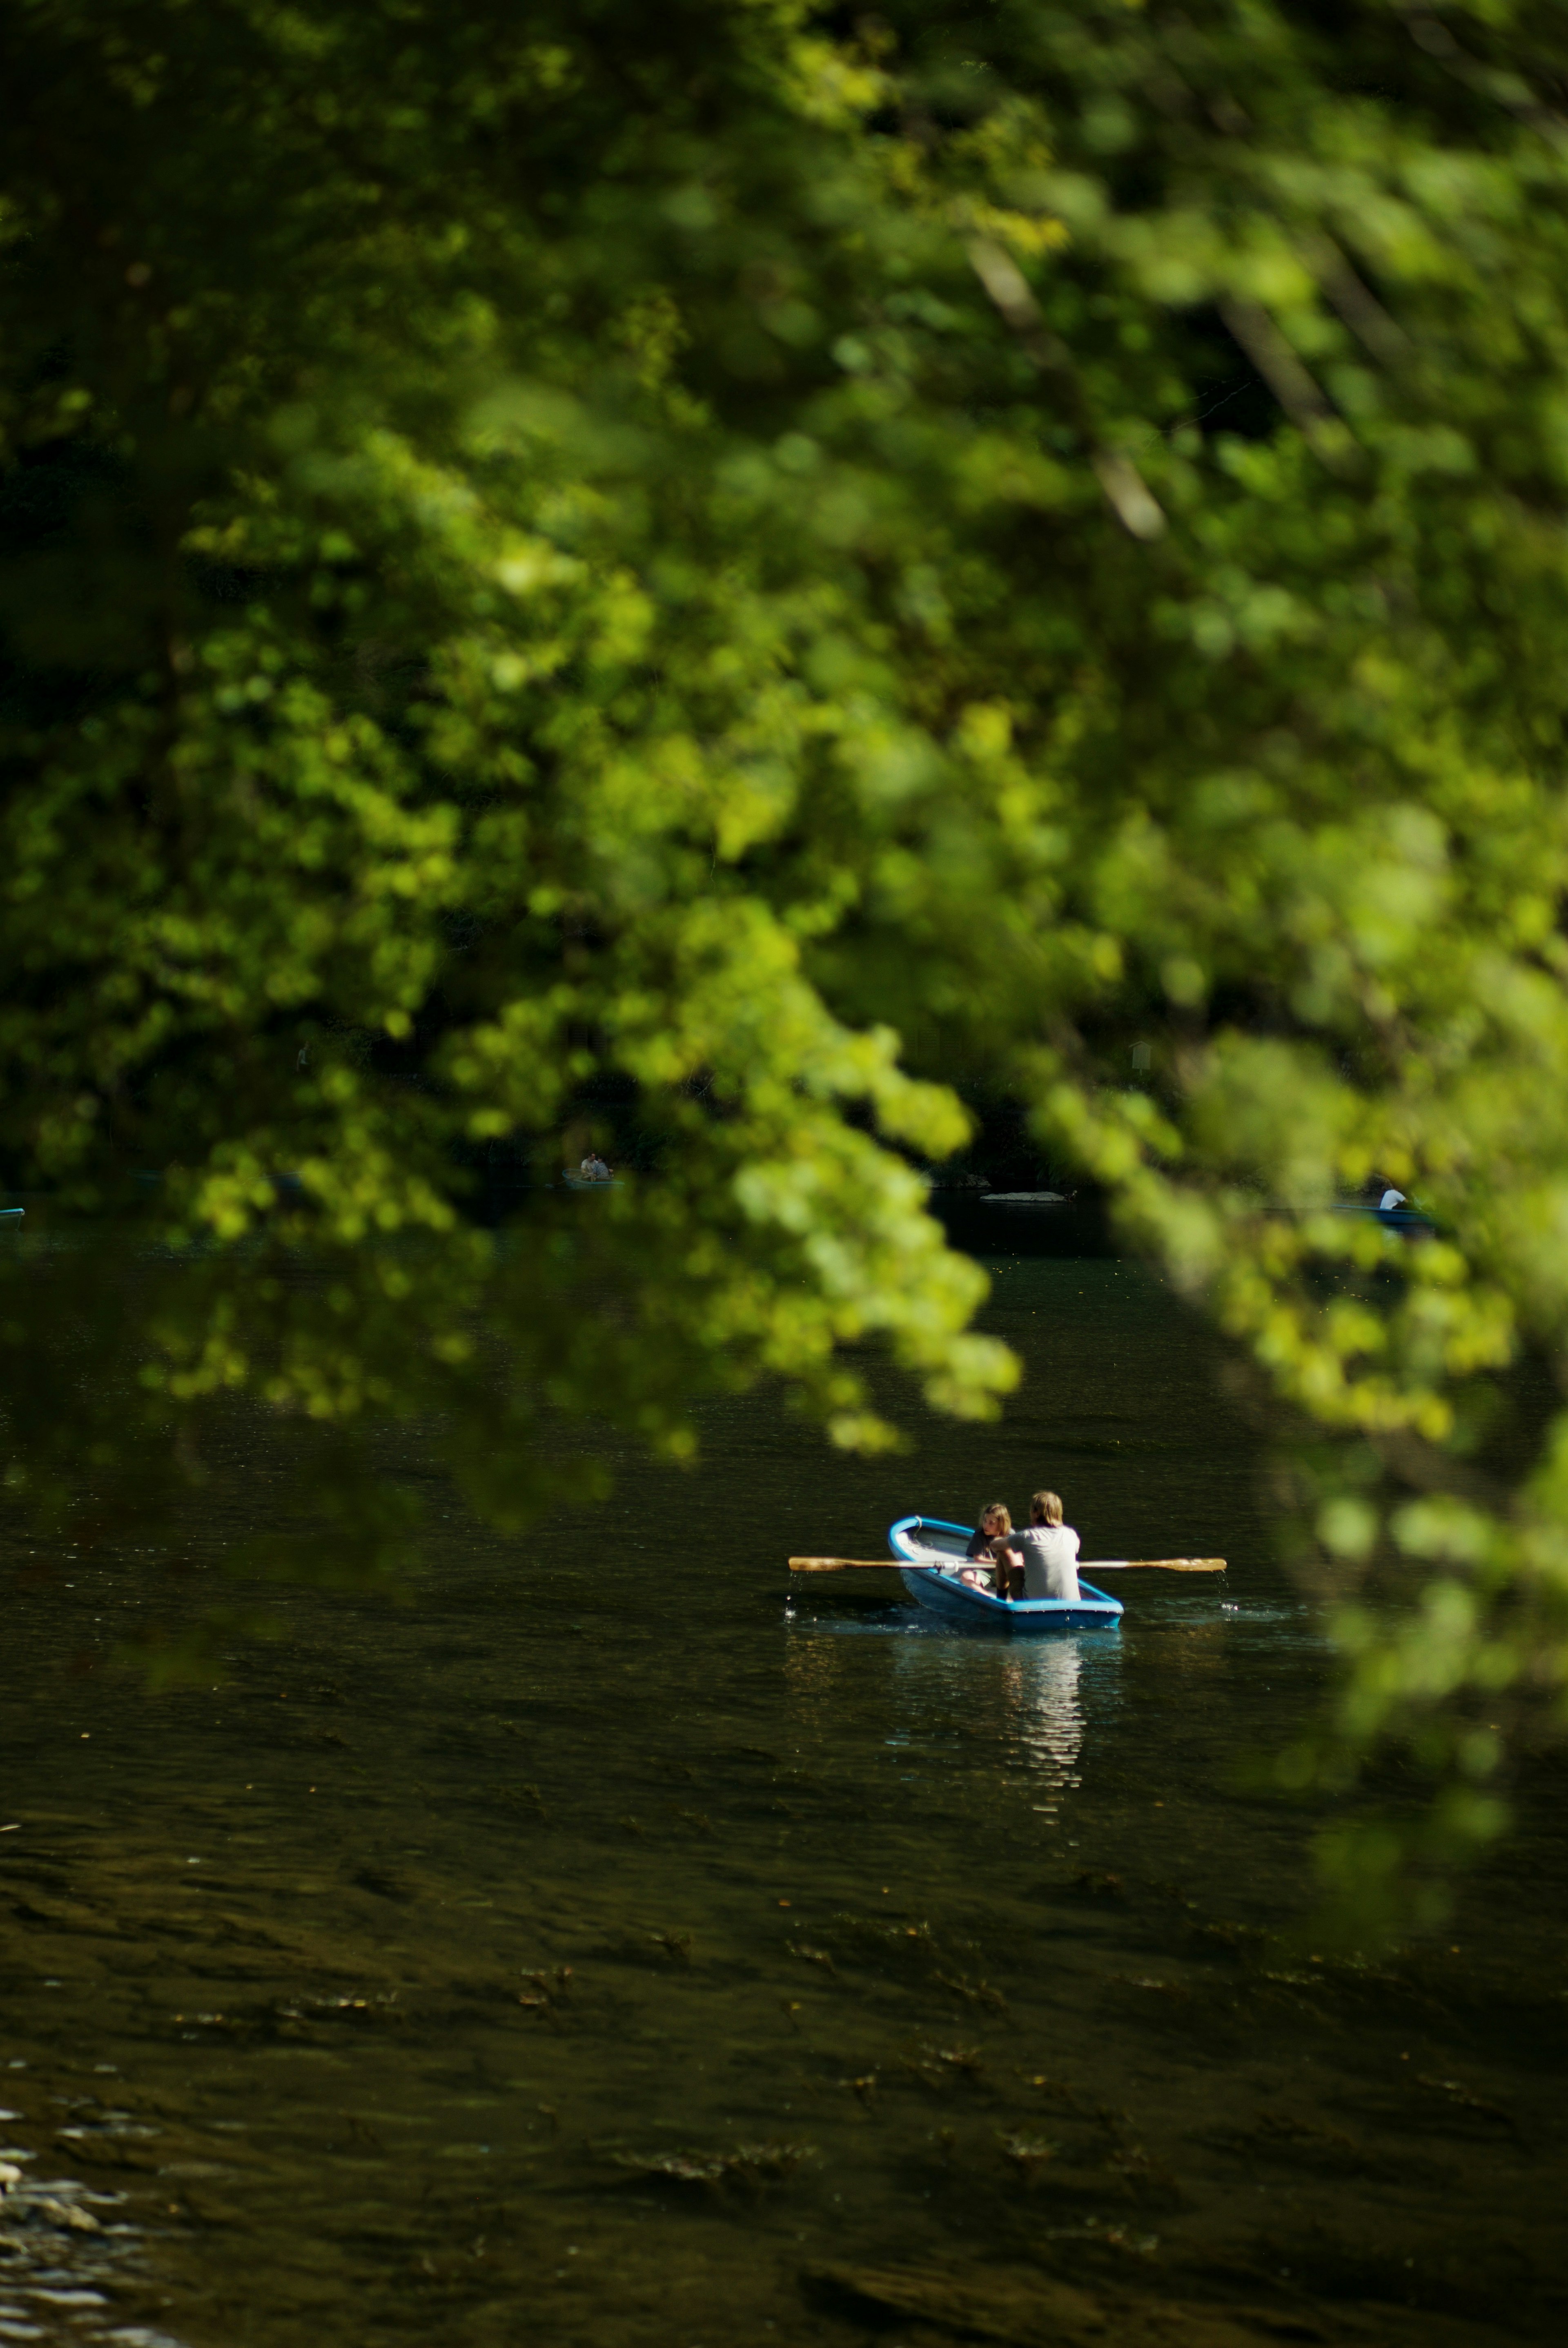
1049,1561
1390,1199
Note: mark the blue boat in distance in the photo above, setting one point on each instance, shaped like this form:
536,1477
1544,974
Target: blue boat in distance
931,1554
1393,1218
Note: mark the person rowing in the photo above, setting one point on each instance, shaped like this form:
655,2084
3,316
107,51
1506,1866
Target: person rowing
1047,1551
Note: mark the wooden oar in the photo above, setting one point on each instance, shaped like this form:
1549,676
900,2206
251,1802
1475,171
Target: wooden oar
1086,1565
1151,1564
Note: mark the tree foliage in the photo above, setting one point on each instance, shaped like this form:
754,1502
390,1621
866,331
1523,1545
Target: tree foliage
712,570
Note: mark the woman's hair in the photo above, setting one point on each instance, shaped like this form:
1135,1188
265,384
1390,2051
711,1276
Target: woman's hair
996,1508
1045,1507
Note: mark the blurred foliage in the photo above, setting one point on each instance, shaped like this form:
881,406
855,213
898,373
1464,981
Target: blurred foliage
695,576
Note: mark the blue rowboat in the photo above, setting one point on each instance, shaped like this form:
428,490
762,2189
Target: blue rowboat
12,1214
1393,1218
931,1554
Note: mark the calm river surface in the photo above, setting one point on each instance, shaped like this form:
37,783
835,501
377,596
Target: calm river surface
595,1951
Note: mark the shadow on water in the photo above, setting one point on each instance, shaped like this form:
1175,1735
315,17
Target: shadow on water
601,1953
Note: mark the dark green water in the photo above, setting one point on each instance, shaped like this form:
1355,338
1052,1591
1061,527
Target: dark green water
594,1953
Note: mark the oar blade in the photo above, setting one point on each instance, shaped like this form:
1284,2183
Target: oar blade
845,1565
1152,1565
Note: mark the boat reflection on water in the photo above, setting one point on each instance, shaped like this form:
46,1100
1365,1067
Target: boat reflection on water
1023,1710
1019,1711
1049,1716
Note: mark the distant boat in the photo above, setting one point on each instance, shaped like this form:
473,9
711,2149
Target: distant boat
592,1182
934,1554
12,1214
1024,1198
1394,1218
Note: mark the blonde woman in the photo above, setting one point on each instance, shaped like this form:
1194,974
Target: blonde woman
987,1546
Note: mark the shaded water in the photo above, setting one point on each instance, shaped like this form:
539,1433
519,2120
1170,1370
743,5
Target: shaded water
597,1953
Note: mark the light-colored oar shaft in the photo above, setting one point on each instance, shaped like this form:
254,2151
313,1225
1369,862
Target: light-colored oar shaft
1086,1565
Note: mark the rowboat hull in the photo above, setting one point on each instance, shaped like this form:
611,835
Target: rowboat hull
981,1609
1393,1218
931,1554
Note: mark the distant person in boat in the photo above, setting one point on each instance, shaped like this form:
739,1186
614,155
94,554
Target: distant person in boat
593,1168
1047,1551
987,1546
1379,1192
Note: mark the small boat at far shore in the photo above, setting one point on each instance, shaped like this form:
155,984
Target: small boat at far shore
1024,1198
932,1554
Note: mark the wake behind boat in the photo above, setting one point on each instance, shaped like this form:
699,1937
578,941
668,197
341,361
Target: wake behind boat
931,1555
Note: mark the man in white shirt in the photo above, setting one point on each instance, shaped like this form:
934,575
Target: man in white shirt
1048,1550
